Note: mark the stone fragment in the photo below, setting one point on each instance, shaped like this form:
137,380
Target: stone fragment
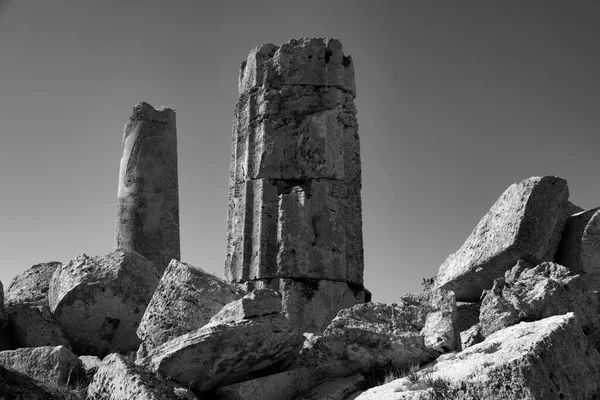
99,301
524,223
221,354
335,389
546,359
148,198
282,386
90,365
34,326
374,336
53,365
32,285
18,386
259,303
535,293
120,379
579,248
311,305
185,300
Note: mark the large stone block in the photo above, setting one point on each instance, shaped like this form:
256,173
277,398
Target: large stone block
185,300
99,301
19,386
579,248
32,285
524,223
306,230
148,197
34,326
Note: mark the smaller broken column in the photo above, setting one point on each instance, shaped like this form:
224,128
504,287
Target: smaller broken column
148,198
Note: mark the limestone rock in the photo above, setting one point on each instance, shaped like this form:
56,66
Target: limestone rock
185,300
534,293
34,326
335,389
221,354
18,386
311,305
282,386
54,365
524,223
32,285
546,359
579,248
256,304
120,379
373,336
99,301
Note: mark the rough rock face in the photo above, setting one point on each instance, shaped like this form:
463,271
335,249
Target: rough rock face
185,300
524,223
32,285
49,364
148,199
546,359
34,326
256,304
99,301
528,294
18,386
120,379
374,336
224,353
579,248
295,178
335,389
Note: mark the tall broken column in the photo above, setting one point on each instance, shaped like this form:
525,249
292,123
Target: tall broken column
295,221
148,199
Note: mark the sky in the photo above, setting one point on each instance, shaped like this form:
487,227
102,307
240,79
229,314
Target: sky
456,101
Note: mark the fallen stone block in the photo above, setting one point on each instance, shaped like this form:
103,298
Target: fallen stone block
18,386
34,326
185,300
579,248
335,389
524,223
546,359
32,285
99,301
259,303
53,365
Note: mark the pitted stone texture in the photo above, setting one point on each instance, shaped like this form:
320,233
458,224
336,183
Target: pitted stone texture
547,359
306,61
99,301
54,365
535,293
148,198
221,354
186,299
374,336
524,223
34,326
120,379
579,248
311,305
32,285
256,304
310,230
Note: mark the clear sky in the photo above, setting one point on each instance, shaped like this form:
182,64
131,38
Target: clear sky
456,101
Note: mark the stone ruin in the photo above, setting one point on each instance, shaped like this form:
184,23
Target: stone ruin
513,314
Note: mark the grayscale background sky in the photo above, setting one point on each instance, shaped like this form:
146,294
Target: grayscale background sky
456,101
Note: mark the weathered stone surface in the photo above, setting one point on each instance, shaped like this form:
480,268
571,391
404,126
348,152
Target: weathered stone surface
256,304
282,386
120,379
18,386
34,326
311,305
185,300
373,336
534,293
220,354
99,301
54,365
311,230
148,198
524,223
471,336
32,285
579,248
335,389
547,359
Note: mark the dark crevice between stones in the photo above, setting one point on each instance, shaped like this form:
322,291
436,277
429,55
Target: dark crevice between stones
286,186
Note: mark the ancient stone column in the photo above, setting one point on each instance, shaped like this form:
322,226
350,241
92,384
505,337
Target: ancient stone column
148,199
295,221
